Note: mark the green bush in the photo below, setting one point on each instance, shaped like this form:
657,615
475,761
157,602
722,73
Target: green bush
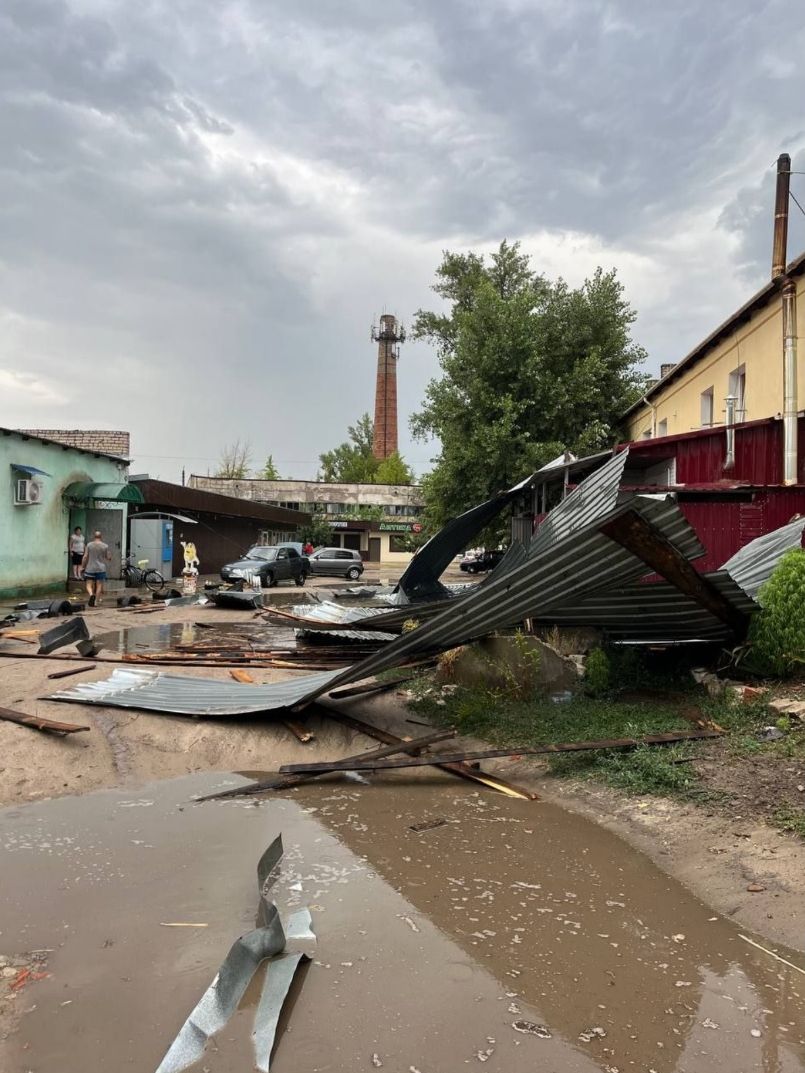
777,632
597,673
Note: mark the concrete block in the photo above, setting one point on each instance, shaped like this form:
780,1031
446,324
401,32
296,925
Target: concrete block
507,662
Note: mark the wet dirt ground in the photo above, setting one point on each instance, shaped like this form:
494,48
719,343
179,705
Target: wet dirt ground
501,932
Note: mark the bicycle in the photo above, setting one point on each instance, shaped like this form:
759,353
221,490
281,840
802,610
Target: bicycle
138,575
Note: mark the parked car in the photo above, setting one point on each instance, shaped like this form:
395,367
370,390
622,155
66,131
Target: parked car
337,562
272,563
479,562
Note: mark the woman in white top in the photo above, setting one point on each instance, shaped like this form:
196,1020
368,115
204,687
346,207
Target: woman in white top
76,551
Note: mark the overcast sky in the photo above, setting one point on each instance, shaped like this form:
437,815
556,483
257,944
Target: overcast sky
205,203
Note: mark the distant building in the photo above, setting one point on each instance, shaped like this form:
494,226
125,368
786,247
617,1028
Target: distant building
391,512
222,527
49,487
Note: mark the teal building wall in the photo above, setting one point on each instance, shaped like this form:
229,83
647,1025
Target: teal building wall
33,538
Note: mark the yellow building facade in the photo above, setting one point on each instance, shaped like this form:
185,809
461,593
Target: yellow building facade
743,358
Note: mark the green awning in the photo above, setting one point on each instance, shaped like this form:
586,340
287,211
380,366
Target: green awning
118,493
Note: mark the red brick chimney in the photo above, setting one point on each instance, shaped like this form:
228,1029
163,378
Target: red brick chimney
388,338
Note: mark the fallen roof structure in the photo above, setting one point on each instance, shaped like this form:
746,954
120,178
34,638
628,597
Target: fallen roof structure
595,542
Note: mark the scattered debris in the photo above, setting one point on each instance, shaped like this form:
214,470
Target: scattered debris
223,996
66,633
181,924
72,670
40,723
532,1029
591,1034
427,825
489,754
282,782
772,954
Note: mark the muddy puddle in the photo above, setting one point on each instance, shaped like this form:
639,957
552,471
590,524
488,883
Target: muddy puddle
193,637
499,932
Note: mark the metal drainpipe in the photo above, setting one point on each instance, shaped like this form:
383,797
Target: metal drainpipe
729,461
789,382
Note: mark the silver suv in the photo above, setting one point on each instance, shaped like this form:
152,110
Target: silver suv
337,562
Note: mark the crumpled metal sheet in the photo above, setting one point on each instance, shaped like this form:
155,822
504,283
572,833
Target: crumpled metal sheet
279,977
752,566
224,994
182,695
420,579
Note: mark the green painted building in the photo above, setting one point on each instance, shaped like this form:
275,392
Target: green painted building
46,489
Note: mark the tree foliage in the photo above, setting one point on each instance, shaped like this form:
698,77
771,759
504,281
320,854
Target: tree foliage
318,532
529,368
393,470
269,472
352,462
235,460
777,631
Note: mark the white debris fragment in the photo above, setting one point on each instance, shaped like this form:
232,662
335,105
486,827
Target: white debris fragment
591,1034
532,1029
514,1008
377,1061
708,1023
410,923
678,938
484,1056
755,1032
682,983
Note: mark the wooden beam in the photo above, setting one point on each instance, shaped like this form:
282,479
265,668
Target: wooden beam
40,723
284,782
642,539
440,760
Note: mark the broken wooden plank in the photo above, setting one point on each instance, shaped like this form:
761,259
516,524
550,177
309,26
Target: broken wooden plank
284,782
298,731
642,539
491,754
370,687
242,676
464,771
72,670
39,723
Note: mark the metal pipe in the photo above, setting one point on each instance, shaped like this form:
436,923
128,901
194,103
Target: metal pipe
778,254
729,461
789,382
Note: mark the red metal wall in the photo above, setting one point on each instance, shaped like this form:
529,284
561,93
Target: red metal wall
724,527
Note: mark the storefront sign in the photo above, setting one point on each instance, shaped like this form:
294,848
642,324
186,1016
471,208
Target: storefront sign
400,527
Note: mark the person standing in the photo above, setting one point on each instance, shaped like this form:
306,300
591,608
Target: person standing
96,556
308,548
76,546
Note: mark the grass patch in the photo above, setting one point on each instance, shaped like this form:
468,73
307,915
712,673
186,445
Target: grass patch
505,722
790,819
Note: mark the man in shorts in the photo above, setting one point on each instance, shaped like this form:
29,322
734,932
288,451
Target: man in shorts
96,556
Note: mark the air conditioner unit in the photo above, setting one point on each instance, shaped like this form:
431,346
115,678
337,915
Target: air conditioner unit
27,492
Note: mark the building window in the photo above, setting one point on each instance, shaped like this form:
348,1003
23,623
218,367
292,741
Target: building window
737,389
707,408
646,435
662,428
398,543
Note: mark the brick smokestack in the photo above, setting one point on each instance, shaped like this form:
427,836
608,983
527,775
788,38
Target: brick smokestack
388,338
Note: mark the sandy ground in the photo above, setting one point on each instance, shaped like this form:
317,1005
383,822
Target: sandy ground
717,858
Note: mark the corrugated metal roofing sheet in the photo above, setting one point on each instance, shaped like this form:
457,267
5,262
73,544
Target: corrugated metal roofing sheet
421,577
183,695
570,564
751,567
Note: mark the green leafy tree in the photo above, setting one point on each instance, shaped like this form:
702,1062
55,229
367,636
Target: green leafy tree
235,461
318,532
777,631
529,368
393,470
351,462
269,472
